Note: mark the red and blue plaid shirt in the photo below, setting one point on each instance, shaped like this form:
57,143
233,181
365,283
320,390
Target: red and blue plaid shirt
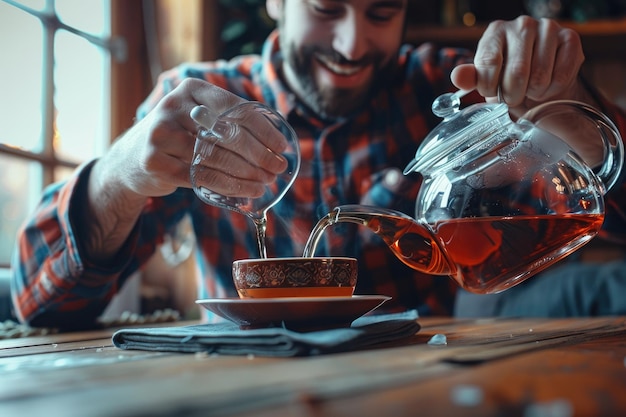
342,163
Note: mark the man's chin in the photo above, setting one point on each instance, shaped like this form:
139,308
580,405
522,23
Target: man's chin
341,104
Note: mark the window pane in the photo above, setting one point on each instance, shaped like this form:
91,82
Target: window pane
88,16
80,98
16,177
21,45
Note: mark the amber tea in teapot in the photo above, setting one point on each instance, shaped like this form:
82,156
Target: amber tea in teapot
499,201
479,254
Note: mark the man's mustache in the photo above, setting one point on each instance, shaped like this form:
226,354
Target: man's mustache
338,59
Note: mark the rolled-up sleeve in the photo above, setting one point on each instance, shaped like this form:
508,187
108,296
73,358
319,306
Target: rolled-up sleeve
49,273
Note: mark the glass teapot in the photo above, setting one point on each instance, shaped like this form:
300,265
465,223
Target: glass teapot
500,200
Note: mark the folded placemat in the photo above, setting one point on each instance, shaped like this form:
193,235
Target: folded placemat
228,339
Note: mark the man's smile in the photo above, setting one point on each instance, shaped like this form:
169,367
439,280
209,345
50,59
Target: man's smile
342,75
341,69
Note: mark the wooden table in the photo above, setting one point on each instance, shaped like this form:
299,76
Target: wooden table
491,367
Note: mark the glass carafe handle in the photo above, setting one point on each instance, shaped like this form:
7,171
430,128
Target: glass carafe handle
610,169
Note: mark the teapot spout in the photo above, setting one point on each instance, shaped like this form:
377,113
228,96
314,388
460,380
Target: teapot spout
410,241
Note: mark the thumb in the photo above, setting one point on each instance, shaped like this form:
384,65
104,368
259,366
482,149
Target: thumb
464,77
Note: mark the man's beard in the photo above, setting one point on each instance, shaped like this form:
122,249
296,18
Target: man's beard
332,103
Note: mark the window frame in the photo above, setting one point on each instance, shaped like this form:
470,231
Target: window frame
192,33
121,59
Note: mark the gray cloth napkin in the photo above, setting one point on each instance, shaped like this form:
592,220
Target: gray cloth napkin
227,339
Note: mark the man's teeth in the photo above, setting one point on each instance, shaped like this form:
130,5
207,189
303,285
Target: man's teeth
337,68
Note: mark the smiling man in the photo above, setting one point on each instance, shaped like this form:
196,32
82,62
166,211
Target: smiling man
359,102
337,54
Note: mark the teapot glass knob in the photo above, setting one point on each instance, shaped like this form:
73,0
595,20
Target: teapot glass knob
447,104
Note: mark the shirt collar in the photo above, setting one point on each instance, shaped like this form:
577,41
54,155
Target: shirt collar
276,91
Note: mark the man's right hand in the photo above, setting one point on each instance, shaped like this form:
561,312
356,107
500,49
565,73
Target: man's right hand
153,158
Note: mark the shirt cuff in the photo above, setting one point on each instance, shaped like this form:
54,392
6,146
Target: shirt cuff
71,208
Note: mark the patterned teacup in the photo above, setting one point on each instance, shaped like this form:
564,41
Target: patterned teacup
295,277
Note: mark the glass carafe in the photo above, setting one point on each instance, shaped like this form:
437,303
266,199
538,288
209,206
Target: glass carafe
500,200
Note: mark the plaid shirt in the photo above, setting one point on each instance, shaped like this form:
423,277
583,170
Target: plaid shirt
342,163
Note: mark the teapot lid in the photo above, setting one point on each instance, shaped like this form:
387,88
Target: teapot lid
459,131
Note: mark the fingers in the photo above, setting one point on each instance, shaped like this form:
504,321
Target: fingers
236,162
250,130
216,182
251,147
518,61
569,60
216,100
527,59
556,61
241,143
489,59
542,60
226,173
189,94
265,126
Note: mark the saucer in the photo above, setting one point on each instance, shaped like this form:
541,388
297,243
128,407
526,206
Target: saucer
296,313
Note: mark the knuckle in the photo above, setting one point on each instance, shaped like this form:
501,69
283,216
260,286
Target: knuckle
170,102
550,25
190,83
518,70
496,25
561,79
527,30
570,36
539,79
488,58
525,22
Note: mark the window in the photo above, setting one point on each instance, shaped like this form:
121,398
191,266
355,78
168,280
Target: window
54,105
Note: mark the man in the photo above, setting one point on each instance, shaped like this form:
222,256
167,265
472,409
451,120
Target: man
360,105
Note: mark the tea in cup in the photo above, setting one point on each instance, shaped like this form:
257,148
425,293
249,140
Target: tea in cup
295,277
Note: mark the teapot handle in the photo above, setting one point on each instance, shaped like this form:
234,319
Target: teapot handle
610,169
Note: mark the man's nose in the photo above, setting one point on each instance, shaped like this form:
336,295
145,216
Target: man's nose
350,38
